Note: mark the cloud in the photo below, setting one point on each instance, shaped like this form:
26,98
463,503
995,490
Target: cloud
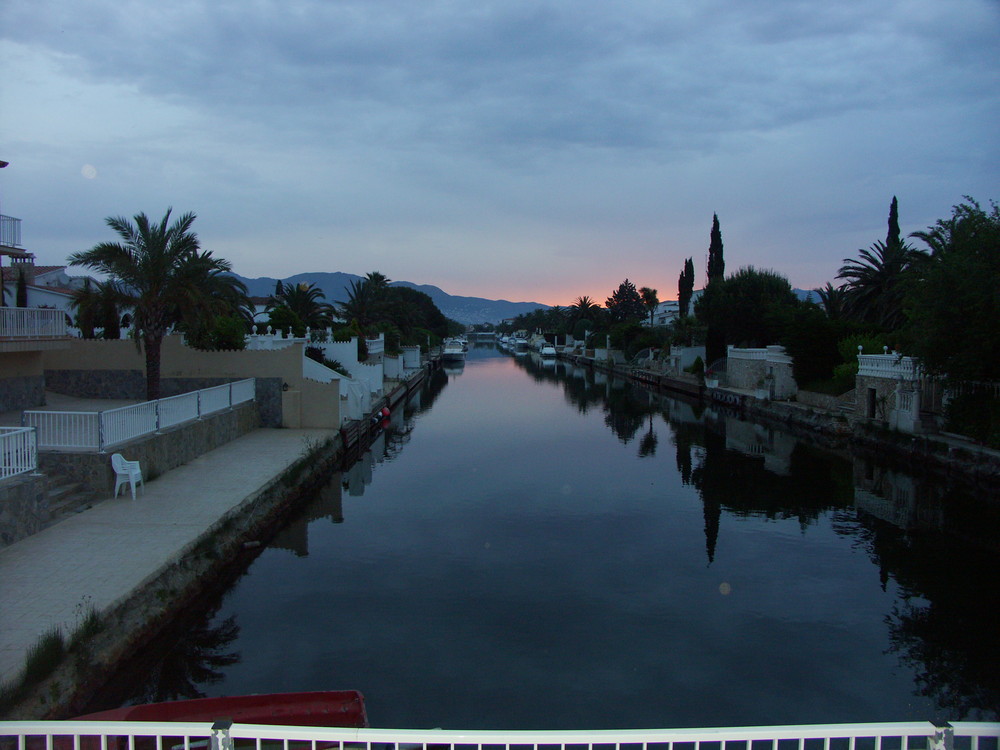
493,134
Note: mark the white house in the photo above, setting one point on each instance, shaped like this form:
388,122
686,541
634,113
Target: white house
665,313
47,286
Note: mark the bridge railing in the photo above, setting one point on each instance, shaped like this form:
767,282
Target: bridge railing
224,735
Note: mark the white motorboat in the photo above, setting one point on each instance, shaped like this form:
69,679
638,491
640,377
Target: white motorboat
453,351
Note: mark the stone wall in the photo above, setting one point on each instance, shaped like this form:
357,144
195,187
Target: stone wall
881,405
22,392
119,384
157,453
769,368
24,507
822,400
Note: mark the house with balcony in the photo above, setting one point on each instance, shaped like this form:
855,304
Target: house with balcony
47,287
25,333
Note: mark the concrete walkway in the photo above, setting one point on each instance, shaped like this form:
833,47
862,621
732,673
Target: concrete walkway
102,555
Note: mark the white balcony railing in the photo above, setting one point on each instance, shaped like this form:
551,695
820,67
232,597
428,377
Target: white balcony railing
32,323
890,366
375,345
10,231
224,735
18,451
98,430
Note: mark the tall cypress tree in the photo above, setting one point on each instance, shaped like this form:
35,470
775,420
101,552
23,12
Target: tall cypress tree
685,287
22,290
716,263
892,238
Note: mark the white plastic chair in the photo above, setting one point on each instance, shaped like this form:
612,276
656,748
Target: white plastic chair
126,472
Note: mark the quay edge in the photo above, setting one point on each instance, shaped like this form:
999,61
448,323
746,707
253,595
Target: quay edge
203,568
952,458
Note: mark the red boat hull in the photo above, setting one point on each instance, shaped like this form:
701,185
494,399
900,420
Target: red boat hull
328,708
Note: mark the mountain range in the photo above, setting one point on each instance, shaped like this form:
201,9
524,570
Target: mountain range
467,310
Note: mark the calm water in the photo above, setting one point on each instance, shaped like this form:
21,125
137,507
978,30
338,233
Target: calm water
533,547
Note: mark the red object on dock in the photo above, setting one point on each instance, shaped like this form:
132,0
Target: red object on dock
327,708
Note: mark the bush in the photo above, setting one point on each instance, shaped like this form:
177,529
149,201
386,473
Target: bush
871,343
283,318
697,367
975,415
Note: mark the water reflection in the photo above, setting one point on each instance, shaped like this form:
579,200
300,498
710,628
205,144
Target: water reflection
328,504
674,561
937,543
178,665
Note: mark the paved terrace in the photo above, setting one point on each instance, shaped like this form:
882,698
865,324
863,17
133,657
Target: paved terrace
102,555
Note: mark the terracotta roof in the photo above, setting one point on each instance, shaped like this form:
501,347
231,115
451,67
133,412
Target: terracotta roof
10,273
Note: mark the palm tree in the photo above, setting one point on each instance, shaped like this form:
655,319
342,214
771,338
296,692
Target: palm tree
650,300
99,305
583,308
165,279
306,301
876,284
832,300
379,281
365,303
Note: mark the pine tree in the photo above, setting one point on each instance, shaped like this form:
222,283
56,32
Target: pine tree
716,263
625,304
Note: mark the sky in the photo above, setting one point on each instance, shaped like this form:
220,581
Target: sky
528,150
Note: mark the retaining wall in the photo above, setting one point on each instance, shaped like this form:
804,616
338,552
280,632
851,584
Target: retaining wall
24,507
156,453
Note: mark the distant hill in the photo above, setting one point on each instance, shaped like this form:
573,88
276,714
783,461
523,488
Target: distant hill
467,310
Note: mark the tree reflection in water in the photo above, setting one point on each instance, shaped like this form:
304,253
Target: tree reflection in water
936,553
937,543
176,665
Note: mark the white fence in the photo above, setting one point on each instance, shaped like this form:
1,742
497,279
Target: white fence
18,451
223,735
98,430
32,323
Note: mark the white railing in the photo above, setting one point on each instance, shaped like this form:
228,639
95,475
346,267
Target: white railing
98,430
774,354
65,430
889,366
124,423
10,231
375,345
242,391
224,735
32,323
18,452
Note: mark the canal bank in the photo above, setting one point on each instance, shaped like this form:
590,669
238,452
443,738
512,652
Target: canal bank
951,457
99,585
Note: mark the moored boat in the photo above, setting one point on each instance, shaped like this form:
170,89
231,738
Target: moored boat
324,708
453,351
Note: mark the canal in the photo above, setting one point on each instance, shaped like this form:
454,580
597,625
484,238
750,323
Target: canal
533,546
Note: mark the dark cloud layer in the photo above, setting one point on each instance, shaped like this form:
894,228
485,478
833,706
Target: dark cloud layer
439,110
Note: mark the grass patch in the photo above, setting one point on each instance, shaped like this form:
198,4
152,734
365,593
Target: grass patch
9,694
43,657
90,625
